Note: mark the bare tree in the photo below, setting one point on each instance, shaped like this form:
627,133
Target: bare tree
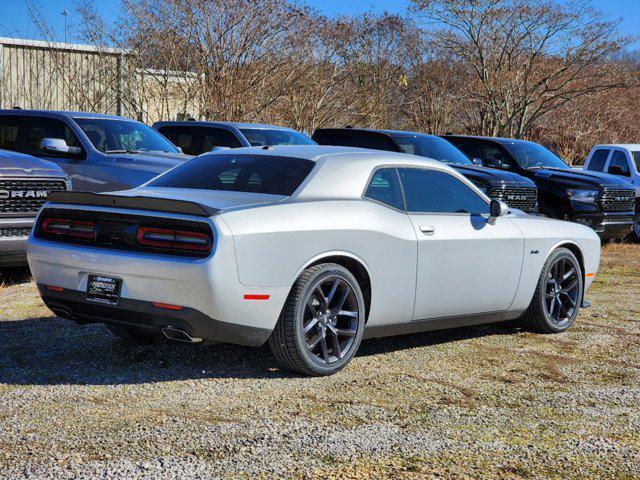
528,57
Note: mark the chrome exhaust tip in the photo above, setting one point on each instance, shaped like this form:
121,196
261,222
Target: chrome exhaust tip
179,335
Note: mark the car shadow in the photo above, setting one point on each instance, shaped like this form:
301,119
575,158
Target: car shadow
51,351
14,275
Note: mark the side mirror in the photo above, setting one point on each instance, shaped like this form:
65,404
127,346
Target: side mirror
477,161
497,208
58,145
618,170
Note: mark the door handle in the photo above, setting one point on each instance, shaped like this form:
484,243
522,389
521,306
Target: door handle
427,229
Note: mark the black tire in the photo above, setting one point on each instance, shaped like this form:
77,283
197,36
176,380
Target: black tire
634,236
134,335
538,317
289,342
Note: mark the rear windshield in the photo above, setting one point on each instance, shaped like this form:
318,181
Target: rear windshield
238,173
259,137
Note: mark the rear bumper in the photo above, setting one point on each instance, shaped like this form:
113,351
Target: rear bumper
13,241
73,305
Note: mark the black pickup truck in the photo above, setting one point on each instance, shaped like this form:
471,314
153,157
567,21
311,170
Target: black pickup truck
515,190
599,200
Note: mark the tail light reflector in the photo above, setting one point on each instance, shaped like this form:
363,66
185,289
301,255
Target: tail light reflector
69,228
174,239
166,306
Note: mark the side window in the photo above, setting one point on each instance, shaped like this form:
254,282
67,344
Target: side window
495,158
598,159
374,141
470,149
8,133
430,191
636,159
218,137
37,128
618,164
384,187
184,138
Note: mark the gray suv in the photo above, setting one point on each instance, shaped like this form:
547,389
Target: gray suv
98,152
25,184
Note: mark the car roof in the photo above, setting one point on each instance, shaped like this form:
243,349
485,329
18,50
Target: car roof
257,126
65,113
404,133
628,146
325,153
501,140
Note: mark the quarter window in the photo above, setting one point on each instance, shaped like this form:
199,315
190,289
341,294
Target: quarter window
598,159
431,191
384,187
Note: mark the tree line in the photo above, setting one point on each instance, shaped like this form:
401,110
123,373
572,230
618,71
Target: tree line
546,70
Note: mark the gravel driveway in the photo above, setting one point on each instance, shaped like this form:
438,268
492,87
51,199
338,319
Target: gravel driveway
484,402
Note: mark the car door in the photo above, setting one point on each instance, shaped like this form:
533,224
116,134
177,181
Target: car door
466,262
34,129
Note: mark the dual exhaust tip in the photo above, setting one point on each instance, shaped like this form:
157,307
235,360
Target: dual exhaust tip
179,335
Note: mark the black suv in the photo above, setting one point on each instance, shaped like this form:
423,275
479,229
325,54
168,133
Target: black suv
604,202
514,190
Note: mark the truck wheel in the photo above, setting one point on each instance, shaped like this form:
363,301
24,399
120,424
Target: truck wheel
134,335
635,232
322,322
558,296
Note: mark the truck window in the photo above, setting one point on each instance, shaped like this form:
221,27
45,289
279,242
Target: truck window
218,137
636,159
25,134
355,138
598,159
618,164
195,140
8,134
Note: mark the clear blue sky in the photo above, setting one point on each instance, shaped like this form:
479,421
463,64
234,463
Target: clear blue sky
14,20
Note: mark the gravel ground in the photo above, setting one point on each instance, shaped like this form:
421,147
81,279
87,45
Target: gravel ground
485,402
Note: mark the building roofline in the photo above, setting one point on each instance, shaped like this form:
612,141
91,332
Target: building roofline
74,47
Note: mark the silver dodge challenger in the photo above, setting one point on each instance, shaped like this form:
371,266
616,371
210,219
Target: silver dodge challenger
308,248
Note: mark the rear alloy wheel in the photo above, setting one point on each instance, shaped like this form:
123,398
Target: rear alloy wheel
558,295
322,323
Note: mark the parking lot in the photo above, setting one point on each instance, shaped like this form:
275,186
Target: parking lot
479,402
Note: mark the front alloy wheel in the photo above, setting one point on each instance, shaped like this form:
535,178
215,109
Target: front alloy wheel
562,290
321,325
558,296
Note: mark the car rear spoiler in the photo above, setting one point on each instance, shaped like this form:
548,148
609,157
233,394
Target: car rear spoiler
167,205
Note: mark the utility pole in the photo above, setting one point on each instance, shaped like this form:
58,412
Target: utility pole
65,13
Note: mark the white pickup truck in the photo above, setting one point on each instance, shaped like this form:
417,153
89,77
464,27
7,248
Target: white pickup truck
622,160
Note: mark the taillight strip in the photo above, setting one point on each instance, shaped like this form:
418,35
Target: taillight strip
69,227
173,239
